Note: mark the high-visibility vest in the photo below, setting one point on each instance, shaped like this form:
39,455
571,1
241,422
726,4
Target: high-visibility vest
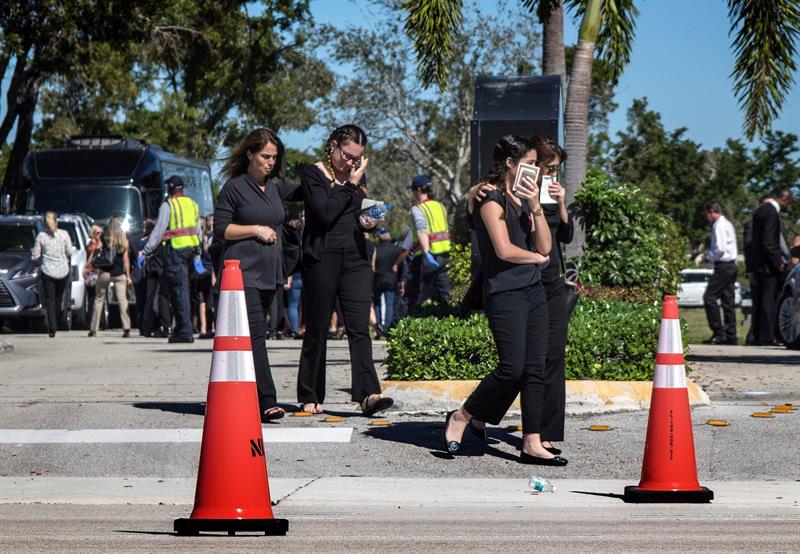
182,230
438,232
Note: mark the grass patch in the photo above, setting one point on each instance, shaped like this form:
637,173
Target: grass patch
697,325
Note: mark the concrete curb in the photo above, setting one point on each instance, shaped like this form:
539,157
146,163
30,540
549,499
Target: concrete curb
583,397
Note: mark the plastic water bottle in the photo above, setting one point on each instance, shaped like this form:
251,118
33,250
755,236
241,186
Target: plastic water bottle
378,211
540,484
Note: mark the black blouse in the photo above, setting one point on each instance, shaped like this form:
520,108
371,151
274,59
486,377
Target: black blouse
242,202
561,233
331,215
500,275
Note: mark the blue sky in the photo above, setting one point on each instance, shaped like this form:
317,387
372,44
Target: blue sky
681,60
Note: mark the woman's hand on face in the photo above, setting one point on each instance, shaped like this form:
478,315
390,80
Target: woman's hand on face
357,173
528,190
557,192
267,234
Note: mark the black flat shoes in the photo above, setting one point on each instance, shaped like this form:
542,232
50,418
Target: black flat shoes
451,447
553,450
536,460
477,432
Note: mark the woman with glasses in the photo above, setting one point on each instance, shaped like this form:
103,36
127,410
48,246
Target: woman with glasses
336,264
551,156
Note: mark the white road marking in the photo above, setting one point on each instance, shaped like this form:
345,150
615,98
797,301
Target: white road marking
79,436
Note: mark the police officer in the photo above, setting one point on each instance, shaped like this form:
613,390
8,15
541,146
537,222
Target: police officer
428,275
178,226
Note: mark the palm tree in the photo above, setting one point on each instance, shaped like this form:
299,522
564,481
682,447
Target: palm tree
765,40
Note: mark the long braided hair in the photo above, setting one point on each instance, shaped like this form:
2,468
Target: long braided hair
340,135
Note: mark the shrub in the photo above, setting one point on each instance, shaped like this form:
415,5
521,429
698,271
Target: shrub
459,270
628,244
607,340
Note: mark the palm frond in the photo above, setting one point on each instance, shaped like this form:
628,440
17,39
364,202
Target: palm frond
433,26
765,45
543,8
617,30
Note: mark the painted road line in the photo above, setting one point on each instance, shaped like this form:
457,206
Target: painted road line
78,436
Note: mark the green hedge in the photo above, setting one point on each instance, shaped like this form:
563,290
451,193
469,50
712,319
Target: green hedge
607,340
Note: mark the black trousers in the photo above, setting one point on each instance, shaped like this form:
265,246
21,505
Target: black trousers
345,273
722,287
258,302
176,270
554,403
426,281
765,293
518,320
53,300
155,287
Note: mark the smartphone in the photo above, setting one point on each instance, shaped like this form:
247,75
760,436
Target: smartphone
525,170
357,163
544,190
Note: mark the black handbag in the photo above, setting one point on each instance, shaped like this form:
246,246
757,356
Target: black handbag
103,258
292,240
570,284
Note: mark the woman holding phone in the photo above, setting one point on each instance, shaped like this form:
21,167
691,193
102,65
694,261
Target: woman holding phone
336,264
550,156
514,242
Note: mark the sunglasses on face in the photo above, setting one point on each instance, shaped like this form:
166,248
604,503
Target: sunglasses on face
551,169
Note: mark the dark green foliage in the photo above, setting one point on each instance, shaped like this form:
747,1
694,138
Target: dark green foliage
422,349
627,243
460,271
607,340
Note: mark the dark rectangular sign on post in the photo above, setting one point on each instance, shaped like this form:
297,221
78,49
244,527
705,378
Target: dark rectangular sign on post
512,106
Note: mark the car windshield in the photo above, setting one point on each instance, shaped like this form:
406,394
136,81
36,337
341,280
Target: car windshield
17,238
695,277
99,201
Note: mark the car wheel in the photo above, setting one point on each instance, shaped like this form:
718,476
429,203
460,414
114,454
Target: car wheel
788,322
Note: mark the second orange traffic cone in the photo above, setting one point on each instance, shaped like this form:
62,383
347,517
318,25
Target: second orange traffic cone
669,471
232,486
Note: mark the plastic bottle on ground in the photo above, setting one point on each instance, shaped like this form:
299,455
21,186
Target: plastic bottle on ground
540,484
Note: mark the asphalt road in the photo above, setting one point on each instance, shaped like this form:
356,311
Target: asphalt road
73,382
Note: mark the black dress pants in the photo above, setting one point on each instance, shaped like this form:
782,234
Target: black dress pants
554,403
156,290
722,287
348,274
518,320
258,302
53,300
765,292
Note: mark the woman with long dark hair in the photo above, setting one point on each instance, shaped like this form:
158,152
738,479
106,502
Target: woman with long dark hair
514,241
249,218
336,264
549,157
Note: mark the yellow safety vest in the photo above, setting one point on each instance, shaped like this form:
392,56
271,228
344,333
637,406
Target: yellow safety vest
438,233
183,215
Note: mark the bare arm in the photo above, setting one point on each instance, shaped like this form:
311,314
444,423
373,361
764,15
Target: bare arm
492,216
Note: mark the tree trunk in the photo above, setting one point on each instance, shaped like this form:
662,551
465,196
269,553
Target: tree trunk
553,59
15,89
576,117
22,140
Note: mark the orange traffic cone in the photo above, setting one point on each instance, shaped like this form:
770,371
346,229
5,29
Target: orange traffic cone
669,472
232,487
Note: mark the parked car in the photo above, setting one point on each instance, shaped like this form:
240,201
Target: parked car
20,281
693,287
788,317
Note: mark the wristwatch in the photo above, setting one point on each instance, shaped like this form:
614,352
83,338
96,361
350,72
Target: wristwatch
537,212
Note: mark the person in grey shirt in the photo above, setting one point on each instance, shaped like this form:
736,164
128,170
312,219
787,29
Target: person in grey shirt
54,247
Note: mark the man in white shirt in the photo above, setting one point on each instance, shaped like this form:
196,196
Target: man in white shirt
721,287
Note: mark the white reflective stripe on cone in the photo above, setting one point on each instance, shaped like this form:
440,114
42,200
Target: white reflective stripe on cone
232,315
232,366
669,377
669,337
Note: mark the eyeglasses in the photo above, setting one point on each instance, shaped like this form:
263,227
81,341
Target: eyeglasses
345,156
551,169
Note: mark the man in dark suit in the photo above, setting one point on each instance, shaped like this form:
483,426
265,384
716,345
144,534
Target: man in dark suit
768,265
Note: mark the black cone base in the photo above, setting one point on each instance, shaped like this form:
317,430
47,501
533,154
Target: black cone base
186,526
635,495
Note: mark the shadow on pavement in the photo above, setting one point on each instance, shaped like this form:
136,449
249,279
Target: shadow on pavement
792,359
173,533
189,408
603,494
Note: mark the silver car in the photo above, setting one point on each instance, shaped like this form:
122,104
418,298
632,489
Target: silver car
788,321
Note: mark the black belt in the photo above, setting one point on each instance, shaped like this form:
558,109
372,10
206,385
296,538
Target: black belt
722,263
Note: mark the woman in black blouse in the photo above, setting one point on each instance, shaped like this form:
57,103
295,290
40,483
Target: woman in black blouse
550,155
514,241
336,263
249,218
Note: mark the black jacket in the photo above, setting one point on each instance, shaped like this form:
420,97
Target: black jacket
242,202
765,251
